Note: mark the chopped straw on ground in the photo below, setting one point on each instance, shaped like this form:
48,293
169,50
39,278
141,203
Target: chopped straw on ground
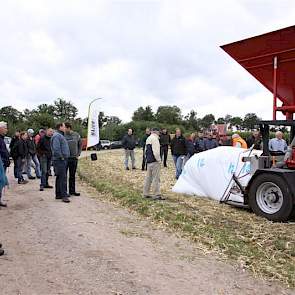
265,248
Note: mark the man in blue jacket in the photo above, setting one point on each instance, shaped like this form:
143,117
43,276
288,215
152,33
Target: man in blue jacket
4,154
60,154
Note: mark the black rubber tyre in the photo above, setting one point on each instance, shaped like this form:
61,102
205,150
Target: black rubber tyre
283,196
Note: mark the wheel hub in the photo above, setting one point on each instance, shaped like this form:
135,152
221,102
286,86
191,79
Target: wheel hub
269,197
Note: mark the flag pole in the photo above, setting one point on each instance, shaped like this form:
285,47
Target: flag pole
88,125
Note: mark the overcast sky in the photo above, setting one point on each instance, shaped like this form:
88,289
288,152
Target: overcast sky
134,53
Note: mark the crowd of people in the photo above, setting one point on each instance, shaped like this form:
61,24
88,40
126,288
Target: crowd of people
59,148
156,143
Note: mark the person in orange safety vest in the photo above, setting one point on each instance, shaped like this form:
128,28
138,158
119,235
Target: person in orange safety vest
238,141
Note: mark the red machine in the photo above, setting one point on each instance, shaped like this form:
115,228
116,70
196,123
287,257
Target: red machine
270,58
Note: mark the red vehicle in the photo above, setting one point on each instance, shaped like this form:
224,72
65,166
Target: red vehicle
270,58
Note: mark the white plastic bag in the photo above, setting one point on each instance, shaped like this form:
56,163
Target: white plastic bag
209,174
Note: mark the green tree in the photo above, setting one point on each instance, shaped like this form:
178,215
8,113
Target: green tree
237,122
10,114
220,121
169,115
102,119
64,110
113,120
45,108
143,114
250,121
207,120
191,120
228,118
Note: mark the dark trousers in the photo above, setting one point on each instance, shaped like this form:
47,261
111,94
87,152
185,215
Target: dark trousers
144,164
164,153
60,169
72,167
15,167
45,164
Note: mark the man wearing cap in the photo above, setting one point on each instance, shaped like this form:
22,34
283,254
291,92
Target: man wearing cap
153,159
32,156
4,154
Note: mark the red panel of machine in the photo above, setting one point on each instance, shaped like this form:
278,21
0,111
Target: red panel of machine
257,54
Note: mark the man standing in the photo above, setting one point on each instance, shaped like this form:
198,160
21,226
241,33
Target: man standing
200,143
255,139
40,134
143,142
4,154
278,144
12,147
44,154
32,156
179,151
164,143
129,144
21,154
60,154
75,144
210,142
153,159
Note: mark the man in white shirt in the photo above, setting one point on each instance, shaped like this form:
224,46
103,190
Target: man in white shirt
278,144
153,159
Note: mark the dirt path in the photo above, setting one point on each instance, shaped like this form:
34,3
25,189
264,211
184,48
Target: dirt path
92,247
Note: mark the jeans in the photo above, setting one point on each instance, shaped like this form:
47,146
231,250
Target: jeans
152,178
60,169
164,153
129,153
5,169
20,167
179,163
45,163
72,167
35,160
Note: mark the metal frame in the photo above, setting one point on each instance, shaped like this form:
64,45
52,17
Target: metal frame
275,87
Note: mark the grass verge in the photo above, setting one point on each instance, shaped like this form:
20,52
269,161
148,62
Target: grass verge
265,248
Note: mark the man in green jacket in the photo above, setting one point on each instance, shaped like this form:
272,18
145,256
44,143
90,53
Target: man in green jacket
75,144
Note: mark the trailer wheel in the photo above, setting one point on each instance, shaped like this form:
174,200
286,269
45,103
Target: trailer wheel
269,196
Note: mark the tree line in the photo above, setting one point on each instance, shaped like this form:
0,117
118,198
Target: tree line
111,127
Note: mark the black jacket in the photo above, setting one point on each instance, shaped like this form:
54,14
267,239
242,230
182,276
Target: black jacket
178,146
44,147
4,154
31,146
12,146
256,141
165,139
21,149
200,145
129,142
143,141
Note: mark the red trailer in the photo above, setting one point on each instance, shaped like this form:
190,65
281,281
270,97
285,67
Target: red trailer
270,58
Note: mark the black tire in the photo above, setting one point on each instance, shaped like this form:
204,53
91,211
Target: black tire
284,212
